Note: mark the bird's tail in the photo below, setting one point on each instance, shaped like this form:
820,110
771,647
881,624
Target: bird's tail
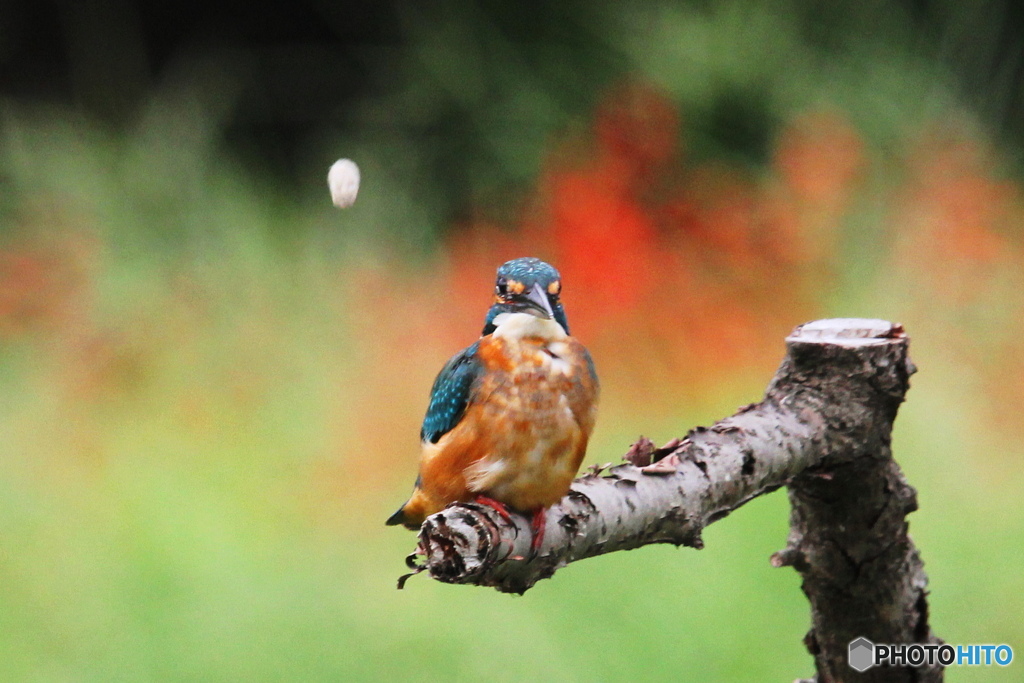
397,518
413,512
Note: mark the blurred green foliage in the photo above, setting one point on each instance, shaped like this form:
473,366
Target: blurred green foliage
211,389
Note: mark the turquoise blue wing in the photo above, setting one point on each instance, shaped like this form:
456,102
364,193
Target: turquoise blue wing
450,394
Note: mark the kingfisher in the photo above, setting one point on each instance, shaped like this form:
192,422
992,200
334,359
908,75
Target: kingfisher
510,415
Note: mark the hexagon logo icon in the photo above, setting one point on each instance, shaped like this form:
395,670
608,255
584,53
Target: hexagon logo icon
861,655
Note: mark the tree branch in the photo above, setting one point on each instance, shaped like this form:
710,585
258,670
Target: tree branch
823,429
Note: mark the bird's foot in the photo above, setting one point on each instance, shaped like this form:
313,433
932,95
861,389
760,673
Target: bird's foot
538,523
502,511
497,506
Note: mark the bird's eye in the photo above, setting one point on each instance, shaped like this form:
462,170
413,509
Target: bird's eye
501,287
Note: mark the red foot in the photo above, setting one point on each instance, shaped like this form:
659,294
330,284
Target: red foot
537,524
498,507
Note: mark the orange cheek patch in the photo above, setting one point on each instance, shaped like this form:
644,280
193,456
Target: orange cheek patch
516,287
555,287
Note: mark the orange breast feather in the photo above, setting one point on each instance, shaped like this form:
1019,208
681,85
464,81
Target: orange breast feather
524,432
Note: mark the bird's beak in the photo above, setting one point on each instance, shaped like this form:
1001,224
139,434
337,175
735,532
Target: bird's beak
537,300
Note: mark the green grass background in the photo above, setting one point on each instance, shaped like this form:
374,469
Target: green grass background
182,496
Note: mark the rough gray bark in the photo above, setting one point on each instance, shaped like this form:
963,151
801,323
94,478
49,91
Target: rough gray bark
848,532
823,429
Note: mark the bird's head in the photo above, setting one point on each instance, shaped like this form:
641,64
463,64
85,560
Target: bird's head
527,285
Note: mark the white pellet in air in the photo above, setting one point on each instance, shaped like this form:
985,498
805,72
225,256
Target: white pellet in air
343,179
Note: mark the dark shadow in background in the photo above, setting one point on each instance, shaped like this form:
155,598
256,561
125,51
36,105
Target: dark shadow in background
302,66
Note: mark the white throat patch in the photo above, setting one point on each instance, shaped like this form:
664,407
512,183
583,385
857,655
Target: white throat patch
521,325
